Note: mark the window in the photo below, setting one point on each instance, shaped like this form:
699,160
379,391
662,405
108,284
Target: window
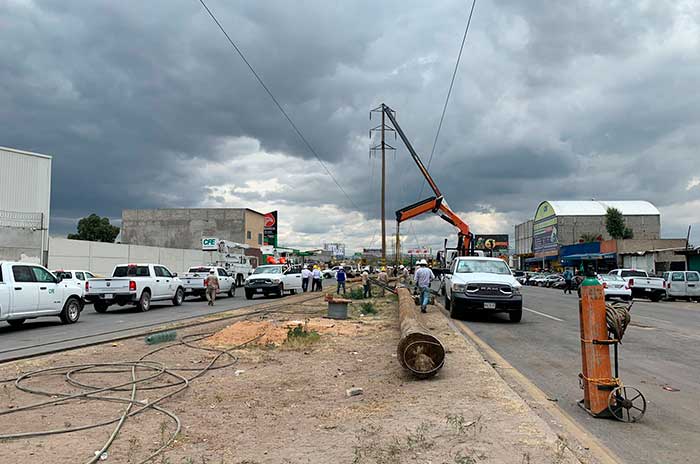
222,273
693,277
64,274
677,277
131,271
633,274
22,274
159,271
42,275
259,239
249,235
89,275
165,271
80,276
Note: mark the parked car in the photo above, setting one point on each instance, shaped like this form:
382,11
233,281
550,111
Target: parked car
641,284
538,279
482,284
683,284
273,279
615,287
75,277
552,280
195,281
135,284
28,291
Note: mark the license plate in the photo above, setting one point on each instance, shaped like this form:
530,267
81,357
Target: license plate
489,305
108,296
258,290
647,289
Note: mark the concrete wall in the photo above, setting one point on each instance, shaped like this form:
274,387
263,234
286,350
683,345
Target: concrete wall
570,228
635,245
102,257
20,244
184,228
255,223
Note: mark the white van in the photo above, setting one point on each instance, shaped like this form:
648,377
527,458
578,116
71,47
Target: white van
683,284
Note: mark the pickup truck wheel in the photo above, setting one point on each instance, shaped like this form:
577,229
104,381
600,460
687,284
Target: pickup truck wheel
179,297
100,306
515,316
248,295
232,291
280,291
71,311
655,297
16,322
144,302
447,303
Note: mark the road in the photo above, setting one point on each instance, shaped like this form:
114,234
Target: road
660,348
47,334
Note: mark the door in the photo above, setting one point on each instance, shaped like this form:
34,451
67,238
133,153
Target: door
677,285
25,291
50,293
164,282
692,283
225,281
292,278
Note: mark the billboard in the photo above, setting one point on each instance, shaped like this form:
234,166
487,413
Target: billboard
419,252
270,229
492,243
372,252
545,239
337,249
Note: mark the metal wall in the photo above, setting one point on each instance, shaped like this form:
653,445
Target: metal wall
25,198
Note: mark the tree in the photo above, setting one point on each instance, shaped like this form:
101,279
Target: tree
96,229
615,224
586,237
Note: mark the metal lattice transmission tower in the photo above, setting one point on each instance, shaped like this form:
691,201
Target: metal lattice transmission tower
382,146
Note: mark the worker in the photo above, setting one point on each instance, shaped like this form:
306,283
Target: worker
305,276
212,287
316,276
423,278
403,274
568,276
383,277
340,277
365,284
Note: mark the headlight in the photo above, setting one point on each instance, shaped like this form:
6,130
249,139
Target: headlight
516,290
458,287
276,281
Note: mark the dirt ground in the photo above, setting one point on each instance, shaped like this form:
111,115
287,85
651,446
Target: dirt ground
286,402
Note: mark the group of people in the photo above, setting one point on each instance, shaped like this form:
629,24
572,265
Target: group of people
311,275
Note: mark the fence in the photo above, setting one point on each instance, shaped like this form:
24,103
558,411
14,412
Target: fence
21,236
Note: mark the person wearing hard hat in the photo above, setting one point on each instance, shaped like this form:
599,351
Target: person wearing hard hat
316,274
383,277
305,277
423,277
403,274
212,287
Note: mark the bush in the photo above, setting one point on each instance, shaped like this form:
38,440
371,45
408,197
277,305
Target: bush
368,308
357,294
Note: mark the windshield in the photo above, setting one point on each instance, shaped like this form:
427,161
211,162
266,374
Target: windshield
268,270
482,265
610,277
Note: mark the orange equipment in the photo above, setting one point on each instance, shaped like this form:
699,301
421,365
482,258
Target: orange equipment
435,204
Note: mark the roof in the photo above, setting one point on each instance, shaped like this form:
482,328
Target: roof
24,152
600,208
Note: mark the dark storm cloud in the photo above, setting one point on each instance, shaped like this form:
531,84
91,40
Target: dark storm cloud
553,100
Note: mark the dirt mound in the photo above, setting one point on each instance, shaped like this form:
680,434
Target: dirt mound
275,332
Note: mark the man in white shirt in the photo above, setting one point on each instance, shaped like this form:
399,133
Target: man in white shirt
316,275
305,276
423,278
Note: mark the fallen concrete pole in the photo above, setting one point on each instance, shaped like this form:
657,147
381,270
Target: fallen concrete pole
419,351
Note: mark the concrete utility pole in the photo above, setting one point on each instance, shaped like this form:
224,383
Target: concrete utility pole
382,146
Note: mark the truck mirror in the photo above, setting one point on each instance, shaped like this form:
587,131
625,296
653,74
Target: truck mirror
174,274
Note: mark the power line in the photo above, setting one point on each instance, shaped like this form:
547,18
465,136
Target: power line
449,92
277,104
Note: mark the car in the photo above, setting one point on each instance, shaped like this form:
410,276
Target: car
194,281
538,279
615,287
683,284
135,284
482,284
75,277
29,291
273,279
552,280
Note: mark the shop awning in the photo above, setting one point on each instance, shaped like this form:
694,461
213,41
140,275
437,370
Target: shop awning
588,256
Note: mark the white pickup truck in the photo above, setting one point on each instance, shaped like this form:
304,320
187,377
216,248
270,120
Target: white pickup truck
135,284
642,286
273,279
195,281
28,291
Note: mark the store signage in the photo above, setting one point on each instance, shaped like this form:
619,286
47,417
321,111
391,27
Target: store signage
270,229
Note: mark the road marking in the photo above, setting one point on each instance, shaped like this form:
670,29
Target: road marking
544,315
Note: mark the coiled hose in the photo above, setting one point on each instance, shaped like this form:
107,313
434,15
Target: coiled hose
617,316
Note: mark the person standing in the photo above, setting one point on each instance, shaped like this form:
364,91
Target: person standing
341,278
383,277
365,284
423,278
212,287
305,276
316,275
568,275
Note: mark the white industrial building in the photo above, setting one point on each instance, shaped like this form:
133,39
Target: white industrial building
25,199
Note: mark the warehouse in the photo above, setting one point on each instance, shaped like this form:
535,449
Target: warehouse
25,199
185,227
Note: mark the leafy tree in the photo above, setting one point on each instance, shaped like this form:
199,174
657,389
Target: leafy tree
586,238
96,229
615,224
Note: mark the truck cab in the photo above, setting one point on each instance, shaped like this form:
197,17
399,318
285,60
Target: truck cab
28,291
273,279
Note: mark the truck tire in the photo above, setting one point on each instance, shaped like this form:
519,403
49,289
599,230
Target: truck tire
515,316
144,303
71,311
16,322
248,295
100,306
280,291
655,297
232,290
448,303
179,297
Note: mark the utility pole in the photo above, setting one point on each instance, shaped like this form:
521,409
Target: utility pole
382,146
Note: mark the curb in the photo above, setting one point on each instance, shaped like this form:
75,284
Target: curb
587,441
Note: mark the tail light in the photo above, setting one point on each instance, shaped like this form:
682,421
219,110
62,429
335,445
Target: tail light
669,285
132,286
605,285
87,286
205,282
631,283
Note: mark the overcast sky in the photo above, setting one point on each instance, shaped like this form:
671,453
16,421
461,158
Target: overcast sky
144,104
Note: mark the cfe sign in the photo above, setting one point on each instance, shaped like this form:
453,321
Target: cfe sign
210,244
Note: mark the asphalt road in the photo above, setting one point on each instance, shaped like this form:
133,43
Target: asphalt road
47,334
660,348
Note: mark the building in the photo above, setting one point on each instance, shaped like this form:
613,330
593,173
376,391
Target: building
25,200
185,227
523,243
